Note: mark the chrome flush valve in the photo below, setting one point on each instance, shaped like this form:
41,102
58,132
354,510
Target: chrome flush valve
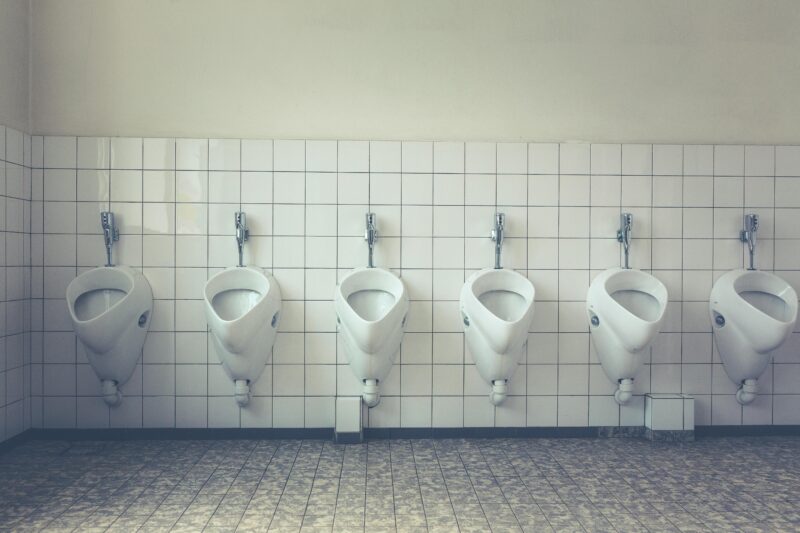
110,233
748,235
371,236
624,234
497,235
242,233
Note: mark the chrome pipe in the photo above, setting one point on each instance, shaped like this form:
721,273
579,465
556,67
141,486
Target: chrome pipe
624,235
371,236
242,233
497,235
748,235
110,233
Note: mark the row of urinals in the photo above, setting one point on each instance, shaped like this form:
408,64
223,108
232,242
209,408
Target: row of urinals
752,312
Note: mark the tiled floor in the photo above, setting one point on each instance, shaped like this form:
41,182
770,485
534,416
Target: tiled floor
736,484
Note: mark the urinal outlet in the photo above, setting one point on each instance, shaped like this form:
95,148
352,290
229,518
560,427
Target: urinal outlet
624,391
372,396
747,392
111,394
241,389
499,391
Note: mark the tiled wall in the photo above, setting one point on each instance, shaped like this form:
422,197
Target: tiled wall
305,202
15,188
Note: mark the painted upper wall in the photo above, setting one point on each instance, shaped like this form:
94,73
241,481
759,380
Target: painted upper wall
14,72
635,70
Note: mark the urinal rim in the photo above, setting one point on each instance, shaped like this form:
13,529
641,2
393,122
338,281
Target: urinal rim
469,288
263,299
605,295
128,272
341,299
729,286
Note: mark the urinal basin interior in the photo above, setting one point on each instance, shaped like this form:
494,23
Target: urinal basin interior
641,304
769,304
371,304
505,305
92,304
234,303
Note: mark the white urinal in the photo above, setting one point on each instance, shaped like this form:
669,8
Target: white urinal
497,311
626,308
371,308
243,307
752,313
110,309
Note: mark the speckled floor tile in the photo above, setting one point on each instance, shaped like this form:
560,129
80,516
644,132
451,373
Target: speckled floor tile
725,484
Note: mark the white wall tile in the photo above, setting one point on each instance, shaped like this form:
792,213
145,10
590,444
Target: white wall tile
191,154
417,157
448,157
126,153
574,158
353,156
728,160
59,152
321,156
256,155
787,161
224,154
93,152
667,159
698,160
637,159
562,204
385,156
158,154
512,158
606,159
480,158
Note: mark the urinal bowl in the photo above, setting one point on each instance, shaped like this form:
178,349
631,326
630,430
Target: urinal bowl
242,306
625,308
110,309
497,311
371,307
752,313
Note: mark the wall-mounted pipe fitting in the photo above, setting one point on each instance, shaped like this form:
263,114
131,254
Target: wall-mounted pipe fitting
747,392
624,391
242,233
497,235
499,391
110,233
748,235
111,394
371,236
371,395
624,235
241,391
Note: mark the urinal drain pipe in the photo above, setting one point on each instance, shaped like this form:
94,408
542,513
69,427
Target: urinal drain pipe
499,391
241,390
372,396
747,392
624,391
111,394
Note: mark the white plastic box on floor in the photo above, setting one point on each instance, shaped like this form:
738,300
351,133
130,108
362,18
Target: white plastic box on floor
669,412
348,419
